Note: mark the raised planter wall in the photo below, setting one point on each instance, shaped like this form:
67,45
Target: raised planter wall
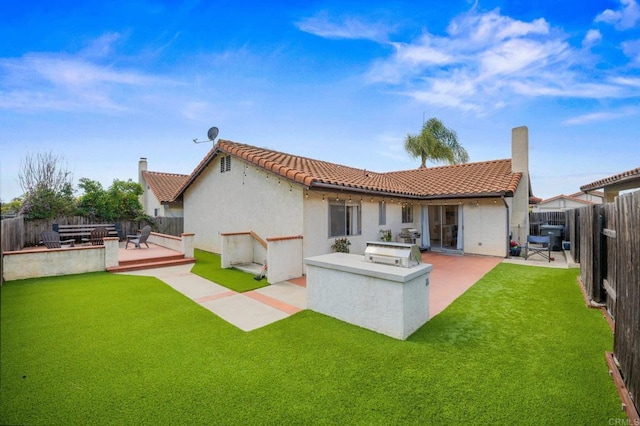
63,261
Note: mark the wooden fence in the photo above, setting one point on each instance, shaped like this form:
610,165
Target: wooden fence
573,232
12,234
19,233
544,218
610,274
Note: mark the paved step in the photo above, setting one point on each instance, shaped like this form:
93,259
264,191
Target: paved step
177,256
158,262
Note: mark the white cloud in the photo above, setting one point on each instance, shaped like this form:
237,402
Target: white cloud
632,50
601,116
624,18
591,38
491,27
68,82
324,26
485,61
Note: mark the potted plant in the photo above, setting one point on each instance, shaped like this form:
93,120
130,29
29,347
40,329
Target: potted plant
341,245
514,249
385,235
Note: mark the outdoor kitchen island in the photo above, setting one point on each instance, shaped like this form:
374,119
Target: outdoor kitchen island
384,292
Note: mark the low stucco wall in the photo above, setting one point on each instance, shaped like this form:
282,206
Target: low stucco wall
18,265
182,244
284,258
237,248
387,299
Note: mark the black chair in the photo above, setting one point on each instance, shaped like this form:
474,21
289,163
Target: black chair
538,245
51,239
97,236
140,238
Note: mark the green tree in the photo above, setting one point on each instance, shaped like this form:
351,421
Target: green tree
47,185
119,202
13,207
436,143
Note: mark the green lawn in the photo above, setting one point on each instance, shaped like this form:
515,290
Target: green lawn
518,348
208,266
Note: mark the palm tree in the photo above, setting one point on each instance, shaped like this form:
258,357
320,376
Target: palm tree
436,143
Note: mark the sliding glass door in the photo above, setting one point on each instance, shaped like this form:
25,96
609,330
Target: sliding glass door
445,227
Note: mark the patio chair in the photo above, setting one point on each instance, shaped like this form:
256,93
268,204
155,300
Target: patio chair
538,245
96,238
51,239
118,228
140,238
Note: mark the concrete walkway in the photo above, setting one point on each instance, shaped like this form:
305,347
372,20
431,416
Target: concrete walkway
450,278
247,311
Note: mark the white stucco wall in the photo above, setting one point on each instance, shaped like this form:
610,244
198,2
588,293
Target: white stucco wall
386,299
284,259
240,200
316,222
151,202
24,264
485,228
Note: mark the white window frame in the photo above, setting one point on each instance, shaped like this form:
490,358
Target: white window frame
382,213
352,218
407,213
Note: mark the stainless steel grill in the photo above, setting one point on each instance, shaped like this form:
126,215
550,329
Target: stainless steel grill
409,235
397,254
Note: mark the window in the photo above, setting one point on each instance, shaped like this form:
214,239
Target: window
156,212
407,213
344,218
382,213
225,164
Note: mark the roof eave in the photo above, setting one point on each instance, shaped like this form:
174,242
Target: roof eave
341,188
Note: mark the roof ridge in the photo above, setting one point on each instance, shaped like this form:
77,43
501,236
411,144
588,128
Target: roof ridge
472,163
165,173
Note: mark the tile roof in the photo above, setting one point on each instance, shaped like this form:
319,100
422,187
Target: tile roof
567,197
164,185
628,176
581,193
490,178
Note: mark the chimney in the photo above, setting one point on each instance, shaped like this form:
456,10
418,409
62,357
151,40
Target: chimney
520,164
142,167
520,149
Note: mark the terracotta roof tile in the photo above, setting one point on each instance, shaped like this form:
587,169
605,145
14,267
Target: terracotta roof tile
164,185
462,180
629,175
567,197
488,178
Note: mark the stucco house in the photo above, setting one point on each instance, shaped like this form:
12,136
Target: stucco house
563,202
615,184
159,189
469,208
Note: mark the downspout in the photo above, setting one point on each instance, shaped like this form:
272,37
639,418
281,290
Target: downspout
508,225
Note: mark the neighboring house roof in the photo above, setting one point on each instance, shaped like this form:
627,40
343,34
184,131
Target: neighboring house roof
594,193
489,178
534,200
628,177
566,197
164,185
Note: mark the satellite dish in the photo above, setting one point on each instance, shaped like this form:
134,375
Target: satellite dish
212,133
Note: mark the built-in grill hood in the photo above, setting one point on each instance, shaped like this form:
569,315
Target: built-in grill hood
409,235
397,254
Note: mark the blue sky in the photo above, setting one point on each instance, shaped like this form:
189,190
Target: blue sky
104,83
